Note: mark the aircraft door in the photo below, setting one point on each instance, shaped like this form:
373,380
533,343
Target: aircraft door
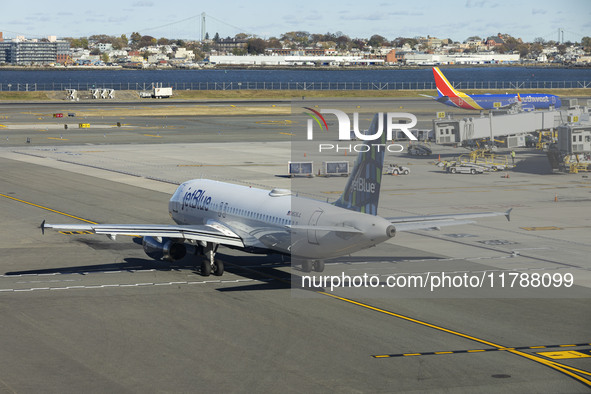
312,238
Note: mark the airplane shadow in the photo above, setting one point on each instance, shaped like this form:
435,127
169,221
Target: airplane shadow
266,270
256,267
130,265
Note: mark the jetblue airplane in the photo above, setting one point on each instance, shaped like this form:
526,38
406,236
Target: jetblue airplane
454,98
210,213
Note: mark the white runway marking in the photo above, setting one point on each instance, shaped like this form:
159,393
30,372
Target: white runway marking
141,284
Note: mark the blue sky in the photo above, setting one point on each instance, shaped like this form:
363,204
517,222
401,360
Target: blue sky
456,19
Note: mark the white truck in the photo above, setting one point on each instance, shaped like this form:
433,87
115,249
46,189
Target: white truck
157,93
162,92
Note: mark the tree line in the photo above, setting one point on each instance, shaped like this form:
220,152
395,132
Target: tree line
302,39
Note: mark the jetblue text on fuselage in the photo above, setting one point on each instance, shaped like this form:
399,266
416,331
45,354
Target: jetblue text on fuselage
196,199
345,125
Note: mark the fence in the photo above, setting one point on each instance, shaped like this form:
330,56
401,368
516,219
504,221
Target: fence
485,85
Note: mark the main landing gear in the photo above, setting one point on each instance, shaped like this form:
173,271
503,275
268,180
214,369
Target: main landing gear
209,264
316,265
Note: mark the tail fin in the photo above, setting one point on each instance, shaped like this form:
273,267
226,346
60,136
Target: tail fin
444,88
362,192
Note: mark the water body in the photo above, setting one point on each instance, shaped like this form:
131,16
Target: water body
269,79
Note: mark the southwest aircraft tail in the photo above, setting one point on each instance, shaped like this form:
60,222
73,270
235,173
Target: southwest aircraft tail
362,192
444,87
447,93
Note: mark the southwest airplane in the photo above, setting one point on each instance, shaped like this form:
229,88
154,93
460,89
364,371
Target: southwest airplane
210,213
454,98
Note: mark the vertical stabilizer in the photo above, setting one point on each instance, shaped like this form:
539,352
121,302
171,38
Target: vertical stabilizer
444,87
363,186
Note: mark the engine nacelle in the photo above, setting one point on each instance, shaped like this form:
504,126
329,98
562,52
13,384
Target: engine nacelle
167,250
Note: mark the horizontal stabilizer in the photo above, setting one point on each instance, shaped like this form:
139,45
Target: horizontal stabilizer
408,223
429,224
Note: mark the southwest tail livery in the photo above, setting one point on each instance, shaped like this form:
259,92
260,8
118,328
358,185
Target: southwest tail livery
448,95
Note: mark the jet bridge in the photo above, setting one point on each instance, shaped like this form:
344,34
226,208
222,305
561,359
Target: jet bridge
573,151
494,125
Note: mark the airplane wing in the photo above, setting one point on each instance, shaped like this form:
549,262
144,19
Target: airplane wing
211,232
410,223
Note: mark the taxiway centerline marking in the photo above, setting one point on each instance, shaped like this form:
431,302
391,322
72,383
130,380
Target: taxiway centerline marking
565,369
480,350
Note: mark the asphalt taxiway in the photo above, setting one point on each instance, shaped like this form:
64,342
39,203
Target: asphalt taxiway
81,312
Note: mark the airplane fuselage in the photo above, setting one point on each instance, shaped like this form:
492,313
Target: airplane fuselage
276,221
494,101
448,95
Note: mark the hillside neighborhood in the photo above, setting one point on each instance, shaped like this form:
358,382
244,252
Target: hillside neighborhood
291,49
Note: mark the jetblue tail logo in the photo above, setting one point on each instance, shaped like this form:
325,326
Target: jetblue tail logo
363,187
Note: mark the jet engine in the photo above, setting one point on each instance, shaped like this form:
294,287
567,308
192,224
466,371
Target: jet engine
166,249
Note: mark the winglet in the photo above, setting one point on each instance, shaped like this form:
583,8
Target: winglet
42,227
508,214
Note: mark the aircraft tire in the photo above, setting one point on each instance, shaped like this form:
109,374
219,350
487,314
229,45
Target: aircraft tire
306,266
218,268
318,266
205,267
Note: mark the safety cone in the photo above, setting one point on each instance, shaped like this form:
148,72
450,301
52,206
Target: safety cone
555,197
439,158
